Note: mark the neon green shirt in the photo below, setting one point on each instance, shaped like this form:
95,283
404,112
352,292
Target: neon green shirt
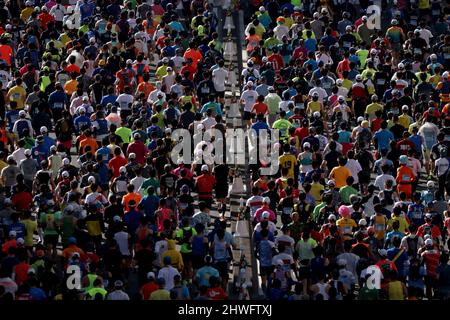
124,133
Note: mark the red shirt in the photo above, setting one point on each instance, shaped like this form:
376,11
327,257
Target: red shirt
73,68
21,271
404,145
45,18
22,201
115,164
260,107
277,62
140,149
376,124
431,258
216,294
205,184
301,133
148,288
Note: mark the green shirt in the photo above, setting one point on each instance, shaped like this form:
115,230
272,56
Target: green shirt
50,221
92,292
362,55
346,192
316,211
272,101
124,133
185,247
149,182
368,294
283,125
271,42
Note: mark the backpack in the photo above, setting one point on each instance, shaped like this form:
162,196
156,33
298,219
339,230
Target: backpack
388,196
22,125
363,137
186,238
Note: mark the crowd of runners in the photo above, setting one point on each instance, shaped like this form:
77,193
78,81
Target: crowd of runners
92,204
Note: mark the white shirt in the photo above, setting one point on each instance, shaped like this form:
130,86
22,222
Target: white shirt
209,122
167,273
426,35
272,227
219,77
5,78
178,62
137,183
249,97
118,295
122,241
58,11
321,91
280,32
354,167
381,180
124,101
19,155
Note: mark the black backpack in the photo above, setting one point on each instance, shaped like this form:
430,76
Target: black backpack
412,245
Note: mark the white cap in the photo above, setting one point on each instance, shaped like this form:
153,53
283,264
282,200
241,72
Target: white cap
405,107
150,275
316,114
12,233
43,129
428,215
165,60
374,97
266,200
22,113
364,18
91,179
382,252
53,148
348,28
65,174
401,66
306,145
324,11
92,39
27,152
82,110
358,77
316,15
249,83
331,217
168,130
20,241
122,169
66,161
262,9
116,219
205,168
341,98
29,3
85,99
129,61
31,270
362,222
10,157
373,50
360,119
430,184
132,155
265,215
433,56
339,82
445,75
394,22
429,242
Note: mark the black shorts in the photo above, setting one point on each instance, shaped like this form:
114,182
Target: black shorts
222,267
197,262
187,257
51,239
265,271
220,94
247,116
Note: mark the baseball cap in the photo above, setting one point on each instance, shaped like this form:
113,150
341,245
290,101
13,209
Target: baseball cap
358,77
205,167
184,188
331,183
262,9
306,145
65,174
132,156
428,215
266,200
91,179
151,275
265,215
430,184
27,152
360,119
316,15
122,169
116,219
403,159
82,110
12,234
20,241
22,113
382,252
429,242
331,217
362,222
43,129
65,161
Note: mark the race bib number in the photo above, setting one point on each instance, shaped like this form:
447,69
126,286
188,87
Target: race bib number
417,51
381,82
287,210
347,230
58,105
327,85
379,227
16,96
447,56
346,44
436,12
300,105
406,177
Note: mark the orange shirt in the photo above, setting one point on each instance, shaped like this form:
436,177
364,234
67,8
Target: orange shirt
405,175
89,142
70,87
146,88
131,196
340,175
195,55
6,53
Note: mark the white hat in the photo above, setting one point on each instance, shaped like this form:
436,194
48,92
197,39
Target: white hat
331,217
82,110
358,77
324,11
316,15
364,18
306,145
43,129
150,275
29,3
405,107
250,84
428,215
401,66
116,219
265,215
262,9
65,174
122,169
394,22
433,56
165,60
348,28
205,168
271,88
339,82
360,119
27,152
44,8
31,270
266,200
429,242
12,234
373,50
331,183
22,113
341,98
92,39
91,179
132,155
374,97
66,161
382,252
20,241
316,114
430,184
168,130
362,222
129,61
10,157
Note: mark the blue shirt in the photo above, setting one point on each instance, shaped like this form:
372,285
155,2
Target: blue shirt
80,121
204,273
48,143
40,152
260,125
400,261
106,154
150,203
19,228
108,99
416,214
37,294
310,45
57,99
383,138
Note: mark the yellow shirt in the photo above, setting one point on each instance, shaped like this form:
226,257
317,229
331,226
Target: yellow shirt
404,120
160,294
26,13
372,108
316,191
313,106
396,290
346,83
31,227
346,225
18,94
161,72
404,225
288,161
